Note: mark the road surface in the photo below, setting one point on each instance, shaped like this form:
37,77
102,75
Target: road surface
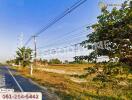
10,80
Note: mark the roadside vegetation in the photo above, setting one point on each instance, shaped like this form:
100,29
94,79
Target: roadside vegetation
102,82
85,78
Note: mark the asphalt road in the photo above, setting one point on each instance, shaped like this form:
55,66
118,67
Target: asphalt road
10,80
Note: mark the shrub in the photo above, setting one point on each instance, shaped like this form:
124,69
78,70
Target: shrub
101,77
90,70
55,61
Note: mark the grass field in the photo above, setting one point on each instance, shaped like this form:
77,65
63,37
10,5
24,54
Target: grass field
67,89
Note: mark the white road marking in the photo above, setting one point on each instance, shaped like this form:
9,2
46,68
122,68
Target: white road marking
2,81
15,80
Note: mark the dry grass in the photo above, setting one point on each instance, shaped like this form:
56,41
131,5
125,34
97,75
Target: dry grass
57,83
69,90
70,67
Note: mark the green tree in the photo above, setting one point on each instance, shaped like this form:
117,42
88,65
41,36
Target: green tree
55,61
24,56
44,61
114,32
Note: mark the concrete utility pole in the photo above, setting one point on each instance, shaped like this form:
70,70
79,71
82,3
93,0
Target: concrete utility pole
75,50
35,48
35,55
20,43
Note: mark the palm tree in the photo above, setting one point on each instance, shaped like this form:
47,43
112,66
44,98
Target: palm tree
24,56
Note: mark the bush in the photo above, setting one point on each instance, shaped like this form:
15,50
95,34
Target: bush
127,60
78,62
116,68
90,70
55,61
101,77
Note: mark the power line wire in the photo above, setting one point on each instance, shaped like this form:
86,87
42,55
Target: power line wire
64,41
67,34
67,11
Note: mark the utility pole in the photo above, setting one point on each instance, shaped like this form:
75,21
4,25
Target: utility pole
75,52
35,48
20,43
35,54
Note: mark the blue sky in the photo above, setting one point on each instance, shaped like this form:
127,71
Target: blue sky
29,16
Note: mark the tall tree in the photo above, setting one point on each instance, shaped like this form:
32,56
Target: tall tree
113,32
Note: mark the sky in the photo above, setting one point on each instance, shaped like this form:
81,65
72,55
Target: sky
29,16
